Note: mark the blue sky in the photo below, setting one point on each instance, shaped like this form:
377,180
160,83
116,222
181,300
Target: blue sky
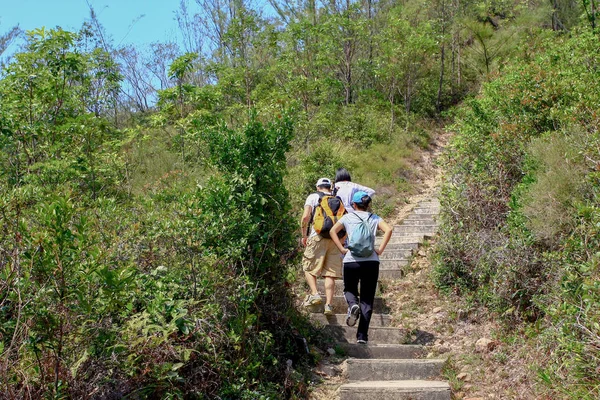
120,18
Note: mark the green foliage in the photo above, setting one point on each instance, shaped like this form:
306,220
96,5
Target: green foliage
172,292
523,194
54,100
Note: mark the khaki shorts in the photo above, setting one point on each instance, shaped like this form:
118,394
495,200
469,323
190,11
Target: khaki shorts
322,258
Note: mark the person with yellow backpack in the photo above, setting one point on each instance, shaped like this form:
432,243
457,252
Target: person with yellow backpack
321,257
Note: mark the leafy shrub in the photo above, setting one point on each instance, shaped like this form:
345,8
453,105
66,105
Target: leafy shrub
517,230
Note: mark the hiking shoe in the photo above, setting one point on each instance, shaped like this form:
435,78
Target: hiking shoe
353,314
328,310
361,341
313,300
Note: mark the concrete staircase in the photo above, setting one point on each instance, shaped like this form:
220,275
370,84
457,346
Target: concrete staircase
387,368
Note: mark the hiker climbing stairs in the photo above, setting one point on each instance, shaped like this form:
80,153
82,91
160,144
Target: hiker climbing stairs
385,368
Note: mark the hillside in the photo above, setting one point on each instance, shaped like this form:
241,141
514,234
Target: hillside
150,197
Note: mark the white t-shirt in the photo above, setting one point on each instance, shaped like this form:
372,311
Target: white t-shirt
345,191
350,221
313,201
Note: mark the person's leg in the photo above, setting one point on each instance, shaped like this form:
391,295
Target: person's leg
329,289
312,282
369,274
312,263
351,278
332,269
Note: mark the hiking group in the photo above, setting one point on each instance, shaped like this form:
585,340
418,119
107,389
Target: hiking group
338,233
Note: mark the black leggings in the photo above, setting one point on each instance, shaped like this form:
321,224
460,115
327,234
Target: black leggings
367,273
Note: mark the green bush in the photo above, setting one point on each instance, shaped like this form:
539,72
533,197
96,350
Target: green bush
519,204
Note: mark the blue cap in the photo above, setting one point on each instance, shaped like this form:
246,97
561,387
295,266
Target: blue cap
357,197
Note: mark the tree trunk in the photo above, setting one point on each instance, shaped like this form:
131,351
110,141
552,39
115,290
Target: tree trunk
438,105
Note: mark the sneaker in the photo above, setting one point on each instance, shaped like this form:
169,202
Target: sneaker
313,300
328,310
353,314
361,341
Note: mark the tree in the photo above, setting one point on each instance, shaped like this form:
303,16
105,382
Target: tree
8,38
55,100
405,54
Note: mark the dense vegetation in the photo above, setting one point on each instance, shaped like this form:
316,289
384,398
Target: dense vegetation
523,206
147,238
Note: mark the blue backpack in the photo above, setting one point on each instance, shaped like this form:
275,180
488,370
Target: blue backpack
361,242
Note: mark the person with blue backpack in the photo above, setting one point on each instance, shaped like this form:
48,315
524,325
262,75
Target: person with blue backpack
361,260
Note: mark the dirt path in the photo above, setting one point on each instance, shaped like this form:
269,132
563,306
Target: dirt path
480,365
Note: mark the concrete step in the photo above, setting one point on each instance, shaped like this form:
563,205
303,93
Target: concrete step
377,335
393,274
377,320
425,210
421,217
433,203
425,229
341,307
395,390
392,254
389,370
402,246
397,263
339,287
403,239
381,351
417,222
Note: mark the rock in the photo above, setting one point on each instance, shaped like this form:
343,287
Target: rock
331,351
327,370
463,376
437,310
442,349
485,345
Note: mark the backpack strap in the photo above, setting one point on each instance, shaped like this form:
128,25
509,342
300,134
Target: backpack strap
368,218
312,215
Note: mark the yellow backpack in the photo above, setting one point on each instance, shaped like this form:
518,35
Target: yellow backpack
329,210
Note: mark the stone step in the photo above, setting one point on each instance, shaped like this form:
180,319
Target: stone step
389,370
425,210
397,263
402,246
392,254
381,351
377,335
339,287
417,222
395,390
341,307
425,229
421,217
403,239
377,320
393,274
431,203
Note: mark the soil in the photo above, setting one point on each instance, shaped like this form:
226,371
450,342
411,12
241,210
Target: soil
482,362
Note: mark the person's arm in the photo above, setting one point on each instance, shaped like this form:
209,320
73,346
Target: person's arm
366,189
334,236
304,221
387,234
